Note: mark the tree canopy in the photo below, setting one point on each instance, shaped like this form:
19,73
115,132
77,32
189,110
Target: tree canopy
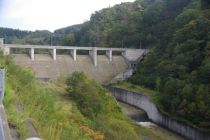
178,64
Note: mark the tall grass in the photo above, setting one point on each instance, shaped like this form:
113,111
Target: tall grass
51,122
15,118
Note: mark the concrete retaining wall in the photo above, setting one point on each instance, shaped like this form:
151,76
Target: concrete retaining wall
144,102
123,75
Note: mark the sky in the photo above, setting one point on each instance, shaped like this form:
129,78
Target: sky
49,15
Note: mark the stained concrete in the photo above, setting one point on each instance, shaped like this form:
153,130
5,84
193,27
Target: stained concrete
46,67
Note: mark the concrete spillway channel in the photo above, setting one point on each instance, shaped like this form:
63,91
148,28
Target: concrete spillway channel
141,117
144,102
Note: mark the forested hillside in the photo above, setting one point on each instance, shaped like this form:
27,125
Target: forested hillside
38,37
16,36
179,63
68,30
42,37
142,23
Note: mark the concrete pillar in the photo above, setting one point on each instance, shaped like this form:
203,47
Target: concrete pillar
90,53
124,54
6,50
73,54
53,53
109,55
1,43
93,54
31,52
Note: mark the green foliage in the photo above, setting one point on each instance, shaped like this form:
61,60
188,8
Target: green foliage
158,84
178,65
204,72
114,128
68,40
68,30
87,93
99,106
15,118
61,79
120,130
10,98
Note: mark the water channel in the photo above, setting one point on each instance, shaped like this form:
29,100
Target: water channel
141,118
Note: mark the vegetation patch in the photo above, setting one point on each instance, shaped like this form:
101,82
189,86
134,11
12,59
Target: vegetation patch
16,119
101,109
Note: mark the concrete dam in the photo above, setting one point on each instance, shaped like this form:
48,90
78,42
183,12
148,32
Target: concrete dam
46,68
102,68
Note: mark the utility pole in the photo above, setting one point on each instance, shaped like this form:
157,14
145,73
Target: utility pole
140,44
5,38
51,40
123,39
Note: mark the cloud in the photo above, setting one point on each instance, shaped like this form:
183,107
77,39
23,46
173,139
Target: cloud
49,14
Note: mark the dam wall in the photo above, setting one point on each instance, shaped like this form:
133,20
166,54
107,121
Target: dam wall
102,68
144,102
47,68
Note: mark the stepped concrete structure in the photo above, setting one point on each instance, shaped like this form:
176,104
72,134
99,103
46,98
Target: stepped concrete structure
102,68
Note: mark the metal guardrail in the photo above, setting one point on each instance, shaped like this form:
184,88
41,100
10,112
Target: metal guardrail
1,99
1,130
1,85
34,138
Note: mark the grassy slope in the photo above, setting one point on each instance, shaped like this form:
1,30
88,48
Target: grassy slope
55,90
15,118
67,102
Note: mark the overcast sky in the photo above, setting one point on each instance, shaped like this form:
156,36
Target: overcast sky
49,14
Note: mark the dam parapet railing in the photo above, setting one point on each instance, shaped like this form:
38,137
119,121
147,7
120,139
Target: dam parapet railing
145,103
4,127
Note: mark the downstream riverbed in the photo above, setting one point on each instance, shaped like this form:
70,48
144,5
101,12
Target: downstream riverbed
141,118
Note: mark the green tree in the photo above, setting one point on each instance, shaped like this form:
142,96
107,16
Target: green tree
158,84
204,72
88,95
